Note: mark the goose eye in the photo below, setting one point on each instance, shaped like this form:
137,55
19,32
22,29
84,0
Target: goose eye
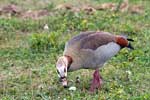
64,69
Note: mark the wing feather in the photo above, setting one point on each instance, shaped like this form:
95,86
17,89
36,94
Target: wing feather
93,41
90,40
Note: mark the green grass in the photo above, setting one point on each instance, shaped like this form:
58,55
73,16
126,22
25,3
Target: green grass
26,75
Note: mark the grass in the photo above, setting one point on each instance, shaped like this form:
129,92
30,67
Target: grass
26,75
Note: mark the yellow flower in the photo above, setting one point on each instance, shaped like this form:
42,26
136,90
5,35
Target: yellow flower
84,21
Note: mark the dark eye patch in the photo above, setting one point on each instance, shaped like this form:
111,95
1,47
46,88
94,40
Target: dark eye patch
64,69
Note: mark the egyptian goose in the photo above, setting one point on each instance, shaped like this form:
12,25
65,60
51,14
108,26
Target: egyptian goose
89,50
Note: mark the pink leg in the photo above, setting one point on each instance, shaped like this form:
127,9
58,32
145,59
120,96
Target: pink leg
96,82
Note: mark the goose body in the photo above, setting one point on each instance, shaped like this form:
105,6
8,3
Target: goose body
90,50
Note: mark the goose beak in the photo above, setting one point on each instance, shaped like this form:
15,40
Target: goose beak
63,81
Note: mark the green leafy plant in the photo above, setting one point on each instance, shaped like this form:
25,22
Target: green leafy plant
43,41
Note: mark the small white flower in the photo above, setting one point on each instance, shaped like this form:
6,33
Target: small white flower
46,27
72,88
41,86
128,72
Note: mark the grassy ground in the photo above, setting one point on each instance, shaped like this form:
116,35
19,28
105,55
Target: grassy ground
26,73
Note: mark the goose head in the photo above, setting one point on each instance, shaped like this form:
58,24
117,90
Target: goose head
62,66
